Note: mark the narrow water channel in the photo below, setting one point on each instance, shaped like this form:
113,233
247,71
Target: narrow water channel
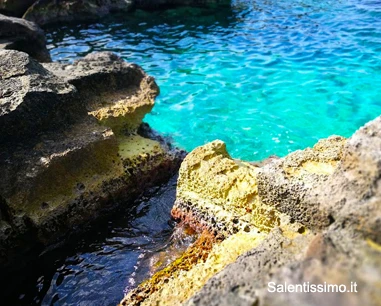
110,259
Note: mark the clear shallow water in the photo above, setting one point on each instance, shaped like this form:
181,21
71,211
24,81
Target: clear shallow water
267,77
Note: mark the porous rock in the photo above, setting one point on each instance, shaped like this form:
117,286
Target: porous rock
62,166
326,201
101,79
22,35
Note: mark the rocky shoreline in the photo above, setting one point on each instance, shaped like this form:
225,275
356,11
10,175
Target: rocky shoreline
313,216
73,148
72,145
45,12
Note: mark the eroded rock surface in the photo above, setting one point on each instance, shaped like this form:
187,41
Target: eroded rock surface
22,35
313,216
62,165
101,79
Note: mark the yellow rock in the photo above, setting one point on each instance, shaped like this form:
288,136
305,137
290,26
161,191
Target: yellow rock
176,283
221,195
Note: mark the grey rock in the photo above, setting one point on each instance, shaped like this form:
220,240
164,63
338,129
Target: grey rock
344,250
32,99
62,165
22,35
51,11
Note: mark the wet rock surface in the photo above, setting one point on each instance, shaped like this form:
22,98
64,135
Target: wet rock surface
22,35
325,210
62,166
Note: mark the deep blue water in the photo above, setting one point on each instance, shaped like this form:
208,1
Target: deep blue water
265,76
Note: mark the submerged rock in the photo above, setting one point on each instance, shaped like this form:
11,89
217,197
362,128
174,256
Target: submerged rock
62,165
22,35
313,216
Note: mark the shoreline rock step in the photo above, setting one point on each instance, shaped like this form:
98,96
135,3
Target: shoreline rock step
72,146
312,216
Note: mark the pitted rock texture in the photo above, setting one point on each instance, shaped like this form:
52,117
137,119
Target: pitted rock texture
61,165
333,257
32,99
188,273
22,35
285,183
220,194
236,284
328,202
101,79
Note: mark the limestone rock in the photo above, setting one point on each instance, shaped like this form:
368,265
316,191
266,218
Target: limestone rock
327,207
101,79
330,258
22,35
220,194
217,195
31,98
61,165
15,7
49,11
352,195
286,183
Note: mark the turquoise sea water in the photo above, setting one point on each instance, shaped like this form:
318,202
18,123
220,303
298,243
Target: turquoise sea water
265,76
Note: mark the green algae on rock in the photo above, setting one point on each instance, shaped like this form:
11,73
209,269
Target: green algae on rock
60,165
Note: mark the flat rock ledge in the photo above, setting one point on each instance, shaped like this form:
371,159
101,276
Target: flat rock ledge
72,145
313,216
